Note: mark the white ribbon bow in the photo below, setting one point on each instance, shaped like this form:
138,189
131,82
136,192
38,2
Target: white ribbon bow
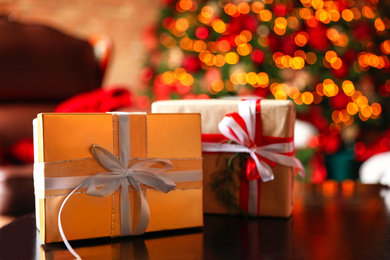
243,140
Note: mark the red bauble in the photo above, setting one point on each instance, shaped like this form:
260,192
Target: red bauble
191,64
202,33
257,57
280,9
317,37
339,101
333,144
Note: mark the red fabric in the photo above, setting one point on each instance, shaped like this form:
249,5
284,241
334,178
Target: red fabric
99,100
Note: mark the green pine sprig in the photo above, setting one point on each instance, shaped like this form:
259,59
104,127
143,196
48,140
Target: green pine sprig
223,182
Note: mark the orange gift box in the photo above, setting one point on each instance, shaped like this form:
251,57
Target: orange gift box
70,151
275,122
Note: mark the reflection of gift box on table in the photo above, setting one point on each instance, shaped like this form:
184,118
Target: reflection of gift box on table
188,245
164,150
263,134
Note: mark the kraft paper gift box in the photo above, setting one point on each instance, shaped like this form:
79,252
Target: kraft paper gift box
188,245
261,129
163,152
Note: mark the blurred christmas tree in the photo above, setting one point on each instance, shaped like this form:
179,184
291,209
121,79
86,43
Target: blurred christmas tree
329,57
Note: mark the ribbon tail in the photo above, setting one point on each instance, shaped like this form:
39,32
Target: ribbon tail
264,169
284,160
66,242
144,211
125,209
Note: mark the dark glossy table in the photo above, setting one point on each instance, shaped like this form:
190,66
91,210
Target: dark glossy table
330,221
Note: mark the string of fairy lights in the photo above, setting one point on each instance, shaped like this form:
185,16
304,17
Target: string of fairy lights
204,29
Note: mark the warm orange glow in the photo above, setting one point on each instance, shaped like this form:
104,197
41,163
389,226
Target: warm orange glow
247,35
207,11
217,85
224,46
279,31
187,79
297,63
331,56
185,4
307,98
352,108
265,15
257,7
205,56
379,24
376,109
281,22
186,43
337,63
330,89
244,49
230,9
366,111
251,78
336,117
368,12
347,15
344,116
219,60
199,46
333,34
231,58
179,72
348,87
293,92
243,7
343,40
182,24
167,77
361,101
334,15
285,60
219,26
301,39
323,16
262,79
317,4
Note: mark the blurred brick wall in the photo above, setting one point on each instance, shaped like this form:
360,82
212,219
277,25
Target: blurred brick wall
123,20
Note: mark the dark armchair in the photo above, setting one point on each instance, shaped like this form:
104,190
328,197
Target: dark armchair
40,67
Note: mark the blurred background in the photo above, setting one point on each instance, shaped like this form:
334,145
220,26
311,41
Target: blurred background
331,58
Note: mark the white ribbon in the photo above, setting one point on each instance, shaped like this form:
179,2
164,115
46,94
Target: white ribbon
247,110
120,175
